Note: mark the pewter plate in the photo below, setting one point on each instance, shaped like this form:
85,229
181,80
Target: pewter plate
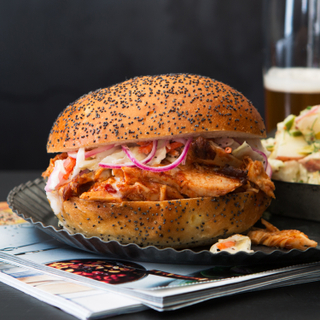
29,201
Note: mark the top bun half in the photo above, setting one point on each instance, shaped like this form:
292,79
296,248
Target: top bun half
155,107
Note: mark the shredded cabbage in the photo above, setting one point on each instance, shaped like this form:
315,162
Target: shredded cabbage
55,202
245,150
161,153
79,162
56,176
118,156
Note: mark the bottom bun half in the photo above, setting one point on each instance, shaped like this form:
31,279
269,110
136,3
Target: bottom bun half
183,223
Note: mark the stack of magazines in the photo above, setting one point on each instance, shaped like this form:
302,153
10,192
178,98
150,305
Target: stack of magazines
88,285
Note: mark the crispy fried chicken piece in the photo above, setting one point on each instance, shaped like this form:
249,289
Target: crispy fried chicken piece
273,237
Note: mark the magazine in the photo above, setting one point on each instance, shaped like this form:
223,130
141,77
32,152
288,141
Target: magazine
90,286
82,301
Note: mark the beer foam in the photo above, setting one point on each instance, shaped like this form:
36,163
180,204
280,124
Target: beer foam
294,80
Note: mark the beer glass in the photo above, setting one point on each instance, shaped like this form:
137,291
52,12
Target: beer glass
291,70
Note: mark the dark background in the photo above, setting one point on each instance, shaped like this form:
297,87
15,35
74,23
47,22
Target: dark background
54,51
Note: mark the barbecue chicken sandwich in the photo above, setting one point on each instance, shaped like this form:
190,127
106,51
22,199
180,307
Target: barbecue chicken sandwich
172,160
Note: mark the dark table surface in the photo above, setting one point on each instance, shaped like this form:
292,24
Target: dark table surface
295,302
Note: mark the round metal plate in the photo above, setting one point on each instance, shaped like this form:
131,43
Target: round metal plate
29,201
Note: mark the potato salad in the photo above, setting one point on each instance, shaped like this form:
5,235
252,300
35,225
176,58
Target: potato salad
295,149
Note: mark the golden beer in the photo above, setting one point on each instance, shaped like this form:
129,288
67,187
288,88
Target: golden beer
276,102
288,91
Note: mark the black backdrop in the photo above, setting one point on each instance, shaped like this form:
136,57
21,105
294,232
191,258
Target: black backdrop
53,51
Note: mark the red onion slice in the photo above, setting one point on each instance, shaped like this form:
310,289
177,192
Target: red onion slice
269,170
92,152
161,168
131,164
267,167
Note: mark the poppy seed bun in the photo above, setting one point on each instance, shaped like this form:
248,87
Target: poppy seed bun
153,107
183,223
